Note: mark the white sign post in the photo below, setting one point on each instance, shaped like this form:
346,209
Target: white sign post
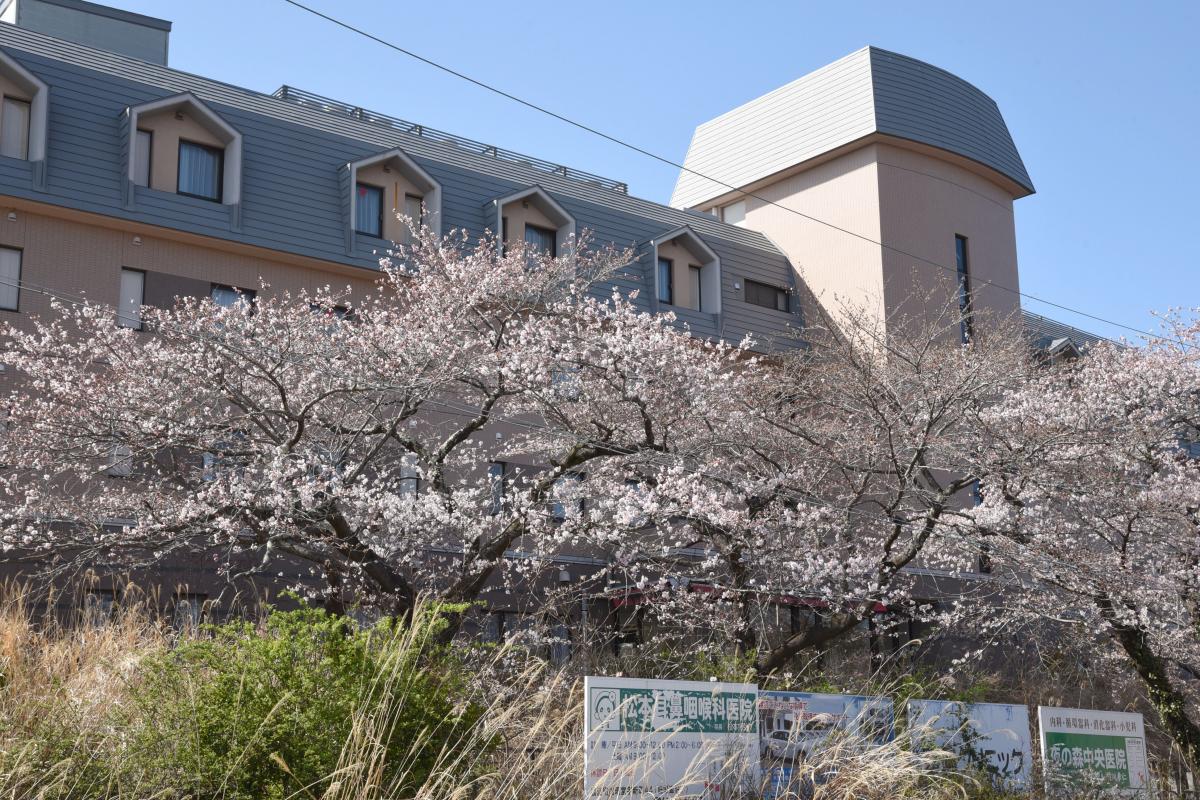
1103,749
989,737
648,739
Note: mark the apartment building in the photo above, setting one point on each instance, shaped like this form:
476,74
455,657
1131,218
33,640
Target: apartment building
130,183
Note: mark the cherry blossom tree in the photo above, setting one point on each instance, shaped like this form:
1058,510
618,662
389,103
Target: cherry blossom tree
1092,503
840,468
352,434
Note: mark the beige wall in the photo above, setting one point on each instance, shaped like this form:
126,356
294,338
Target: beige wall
837,268
924,203
910,199
682,259
10,89
164,150
76,258
395,186
519,214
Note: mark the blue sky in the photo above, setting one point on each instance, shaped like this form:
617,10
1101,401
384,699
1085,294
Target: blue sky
1103,99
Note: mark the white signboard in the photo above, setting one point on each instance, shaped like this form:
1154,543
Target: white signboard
650,739
1093,748
992,738
794,727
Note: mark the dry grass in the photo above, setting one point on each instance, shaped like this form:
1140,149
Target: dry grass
65,714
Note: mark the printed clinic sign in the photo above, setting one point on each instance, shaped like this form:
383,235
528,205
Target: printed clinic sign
794,728
1081,747
650,738
992,738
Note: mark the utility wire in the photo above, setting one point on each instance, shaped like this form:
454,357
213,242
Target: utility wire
670,162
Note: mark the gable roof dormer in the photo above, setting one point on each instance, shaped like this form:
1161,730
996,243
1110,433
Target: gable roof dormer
180,118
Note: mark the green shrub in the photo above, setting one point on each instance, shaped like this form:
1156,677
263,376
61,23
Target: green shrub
266,712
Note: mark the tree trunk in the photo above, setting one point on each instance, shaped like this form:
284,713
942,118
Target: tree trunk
776,658
1168,701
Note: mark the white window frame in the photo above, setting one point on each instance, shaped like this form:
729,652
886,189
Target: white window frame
9,285
129,313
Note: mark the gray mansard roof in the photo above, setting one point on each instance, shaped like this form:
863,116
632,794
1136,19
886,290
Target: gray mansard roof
869,91
292,200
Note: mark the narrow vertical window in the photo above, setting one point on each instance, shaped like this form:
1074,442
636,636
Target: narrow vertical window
413,210
964,287
10,278
142,148
695,275
368,210
14,128
410,476
496,485
129,304
120,460
666,293
200,170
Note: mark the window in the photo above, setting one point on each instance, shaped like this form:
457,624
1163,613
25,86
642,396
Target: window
200,168
567,496
120,460
129,304
540,240
414,211
233,297
10,278
964,287
14,128
496,483
695,274
98,605
734,213
368,210
666,292
142,157
188,612
410,476
767,296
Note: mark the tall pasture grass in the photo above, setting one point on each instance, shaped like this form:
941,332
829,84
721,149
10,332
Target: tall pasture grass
73,724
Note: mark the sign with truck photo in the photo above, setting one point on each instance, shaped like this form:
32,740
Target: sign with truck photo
650,738
1093,749
988,738
795,727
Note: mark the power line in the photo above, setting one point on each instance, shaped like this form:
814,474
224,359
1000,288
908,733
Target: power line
670,162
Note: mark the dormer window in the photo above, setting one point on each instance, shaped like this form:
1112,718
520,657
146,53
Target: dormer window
23,112
180,145
14,128
368,210
687,273
200,168
540,240
534,217
385,188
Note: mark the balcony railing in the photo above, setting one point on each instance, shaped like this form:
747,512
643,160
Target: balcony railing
310,100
